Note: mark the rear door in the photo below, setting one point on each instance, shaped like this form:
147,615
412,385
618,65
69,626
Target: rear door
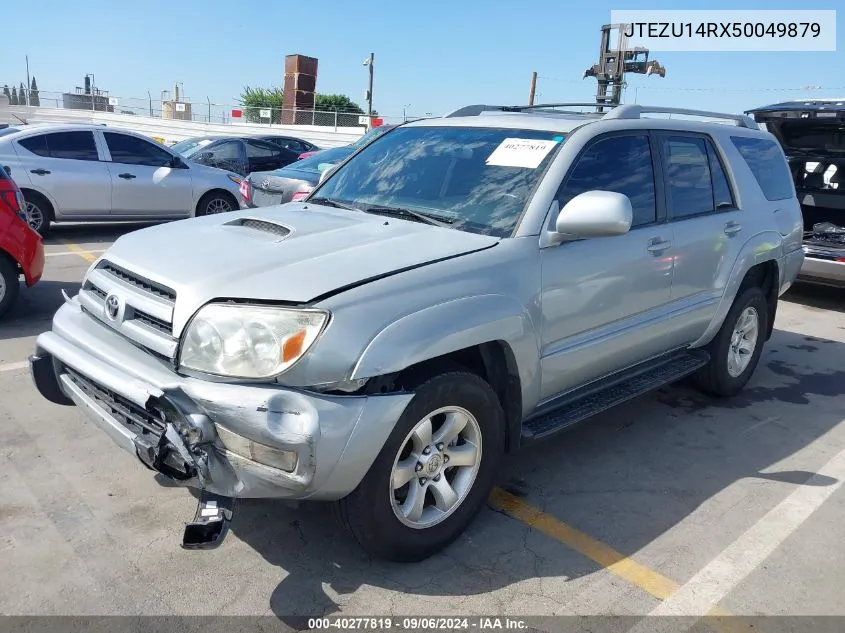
266,156
144,182
708,225
66,167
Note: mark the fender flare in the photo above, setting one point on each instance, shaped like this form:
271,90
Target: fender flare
762,247
455,325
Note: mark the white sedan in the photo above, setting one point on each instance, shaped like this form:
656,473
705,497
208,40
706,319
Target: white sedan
89,173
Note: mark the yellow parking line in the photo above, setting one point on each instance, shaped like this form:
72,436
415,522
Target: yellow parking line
637,574
80,251
615,562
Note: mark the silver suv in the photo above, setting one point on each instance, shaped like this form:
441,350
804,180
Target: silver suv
454,290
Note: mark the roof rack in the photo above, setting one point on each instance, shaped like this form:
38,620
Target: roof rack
477,109
632,111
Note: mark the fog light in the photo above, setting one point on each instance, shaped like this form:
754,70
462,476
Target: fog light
261,453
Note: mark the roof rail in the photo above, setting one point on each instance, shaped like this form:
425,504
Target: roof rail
633,111
477,109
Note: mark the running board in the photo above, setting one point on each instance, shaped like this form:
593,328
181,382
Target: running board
211,522
608,392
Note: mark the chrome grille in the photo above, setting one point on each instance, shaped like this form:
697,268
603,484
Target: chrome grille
141,309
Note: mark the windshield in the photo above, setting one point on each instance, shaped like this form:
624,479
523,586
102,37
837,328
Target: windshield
473,179
191,146
374,133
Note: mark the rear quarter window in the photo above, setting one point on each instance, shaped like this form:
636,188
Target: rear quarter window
767,162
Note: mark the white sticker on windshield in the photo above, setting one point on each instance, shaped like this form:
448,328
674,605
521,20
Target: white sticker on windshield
520,152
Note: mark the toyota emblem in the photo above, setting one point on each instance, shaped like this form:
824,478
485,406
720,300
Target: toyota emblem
113,307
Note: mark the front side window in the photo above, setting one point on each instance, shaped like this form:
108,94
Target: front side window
621,164
473,179
131,150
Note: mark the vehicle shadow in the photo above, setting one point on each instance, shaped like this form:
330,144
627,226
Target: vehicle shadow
84,233
34,309
815,297
626,477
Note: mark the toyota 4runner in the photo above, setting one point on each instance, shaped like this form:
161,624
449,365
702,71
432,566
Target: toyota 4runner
452,291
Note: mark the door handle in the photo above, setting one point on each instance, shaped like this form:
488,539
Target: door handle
126,176
657,246
732,228
39,171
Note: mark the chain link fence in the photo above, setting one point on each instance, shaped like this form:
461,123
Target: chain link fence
201,111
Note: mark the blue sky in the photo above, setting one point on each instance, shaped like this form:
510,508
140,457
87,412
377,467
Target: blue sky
430,56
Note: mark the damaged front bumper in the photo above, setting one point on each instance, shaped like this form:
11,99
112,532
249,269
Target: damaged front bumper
231,440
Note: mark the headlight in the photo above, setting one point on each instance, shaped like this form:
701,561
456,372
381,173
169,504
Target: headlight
247,341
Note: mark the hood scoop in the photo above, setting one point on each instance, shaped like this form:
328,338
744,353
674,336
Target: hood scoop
264,226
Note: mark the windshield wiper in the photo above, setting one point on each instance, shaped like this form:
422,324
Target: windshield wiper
331,202
399,212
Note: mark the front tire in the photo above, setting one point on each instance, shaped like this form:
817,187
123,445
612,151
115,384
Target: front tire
736,349
215,202
434,472
9,284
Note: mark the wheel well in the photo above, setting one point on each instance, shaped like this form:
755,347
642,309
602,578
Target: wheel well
493,361
765,276
32,193
217,191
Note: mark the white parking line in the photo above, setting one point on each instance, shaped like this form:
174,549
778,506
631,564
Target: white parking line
13,366
722,574
91,250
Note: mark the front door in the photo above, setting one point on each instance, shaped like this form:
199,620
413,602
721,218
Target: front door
602,297
144,184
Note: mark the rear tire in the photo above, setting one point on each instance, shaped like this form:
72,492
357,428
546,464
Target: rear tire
215,202
39,212
9,284
736,349
382,514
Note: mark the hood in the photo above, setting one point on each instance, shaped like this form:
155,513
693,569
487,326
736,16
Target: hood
813,128
293,253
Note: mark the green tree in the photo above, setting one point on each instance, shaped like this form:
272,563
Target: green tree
254,99
336,103
33,93
14,98
22,95
6,92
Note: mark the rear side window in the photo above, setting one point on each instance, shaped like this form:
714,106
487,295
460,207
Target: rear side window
695,180
766,160
36,144
621,164
68,145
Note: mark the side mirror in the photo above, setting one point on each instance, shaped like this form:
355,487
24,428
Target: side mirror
595,214
177,163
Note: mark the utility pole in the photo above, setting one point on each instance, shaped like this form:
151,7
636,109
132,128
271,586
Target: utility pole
28,82
533,88
369,62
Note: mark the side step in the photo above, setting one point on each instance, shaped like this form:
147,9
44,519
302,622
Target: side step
611,391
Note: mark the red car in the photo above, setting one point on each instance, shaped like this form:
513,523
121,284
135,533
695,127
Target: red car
21,248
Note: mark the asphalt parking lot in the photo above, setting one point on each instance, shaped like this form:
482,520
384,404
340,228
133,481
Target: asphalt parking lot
672,504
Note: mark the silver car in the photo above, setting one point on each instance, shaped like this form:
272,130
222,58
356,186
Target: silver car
94,173
457,289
